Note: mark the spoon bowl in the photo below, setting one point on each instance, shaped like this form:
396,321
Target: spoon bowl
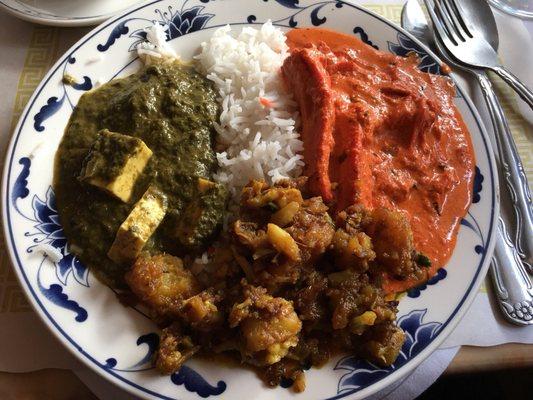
479,17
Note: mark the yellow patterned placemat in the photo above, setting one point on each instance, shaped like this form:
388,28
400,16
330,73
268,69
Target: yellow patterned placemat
390,11
42,53
40,56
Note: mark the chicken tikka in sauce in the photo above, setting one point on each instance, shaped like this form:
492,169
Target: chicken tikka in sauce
379,132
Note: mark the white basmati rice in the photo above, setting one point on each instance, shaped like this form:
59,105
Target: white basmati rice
258,121
156,45
50,251
95,59
204,259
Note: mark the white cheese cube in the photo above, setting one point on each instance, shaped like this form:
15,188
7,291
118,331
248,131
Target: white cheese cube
114,163
141,223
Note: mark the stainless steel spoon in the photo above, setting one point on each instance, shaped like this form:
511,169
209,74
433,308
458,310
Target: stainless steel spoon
508,270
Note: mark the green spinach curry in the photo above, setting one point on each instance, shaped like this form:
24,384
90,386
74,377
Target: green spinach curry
171,108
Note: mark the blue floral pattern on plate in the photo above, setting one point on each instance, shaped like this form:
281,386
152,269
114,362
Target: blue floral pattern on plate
186,376
360,374
439,276
406,45
194,382
152,341
49,232
176,23
54,103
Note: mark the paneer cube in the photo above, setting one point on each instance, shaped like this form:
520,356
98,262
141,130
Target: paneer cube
114,163
141,223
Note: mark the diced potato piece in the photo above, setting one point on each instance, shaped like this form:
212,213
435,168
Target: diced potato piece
135,231
201,312
390,297
174,349
285,215
385,345
195,309
289,195
368,318
299,382
277,351
162,283
283,242
352,250
268,325
257,194
114,163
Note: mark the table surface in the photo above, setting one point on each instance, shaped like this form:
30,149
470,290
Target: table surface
61,384
45,45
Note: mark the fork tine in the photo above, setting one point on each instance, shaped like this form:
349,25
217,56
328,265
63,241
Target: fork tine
445,19
444,37
455,22
457,12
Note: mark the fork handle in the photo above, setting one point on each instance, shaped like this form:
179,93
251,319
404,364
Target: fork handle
512,258
512,176
523,91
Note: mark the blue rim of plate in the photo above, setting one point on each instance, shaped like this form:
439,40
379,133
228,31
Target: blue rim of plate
447,326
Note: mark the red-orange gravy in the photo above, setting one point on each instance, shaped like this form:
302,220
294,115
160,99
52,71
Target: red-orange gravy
379,132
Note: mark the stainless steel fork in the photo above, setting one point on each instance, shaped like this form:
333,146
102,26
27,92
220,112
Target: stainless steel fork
465,29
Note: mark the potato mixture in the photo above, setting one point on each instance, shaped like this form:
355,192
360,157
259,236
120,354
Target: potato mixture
286,288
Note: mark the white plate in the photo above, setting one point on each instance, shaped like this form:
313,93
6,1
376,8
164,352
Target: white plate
117,342
66,12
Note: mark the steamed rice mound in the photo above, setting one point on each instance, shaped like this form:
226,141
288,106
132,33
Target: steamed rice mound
257,128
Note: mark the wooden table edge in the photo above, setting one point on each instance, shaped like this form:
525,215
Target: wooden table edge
474,359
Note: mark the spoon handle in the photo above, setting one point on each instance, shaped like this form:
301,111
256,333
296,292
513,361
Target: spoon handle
513,286
512,258
523,91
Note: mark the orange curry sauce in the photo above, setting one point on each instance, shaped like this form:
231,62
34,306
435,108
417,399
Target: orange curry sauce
379,132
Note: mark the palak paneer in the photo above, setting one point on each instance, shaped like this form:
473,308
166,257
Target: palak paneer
154,128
